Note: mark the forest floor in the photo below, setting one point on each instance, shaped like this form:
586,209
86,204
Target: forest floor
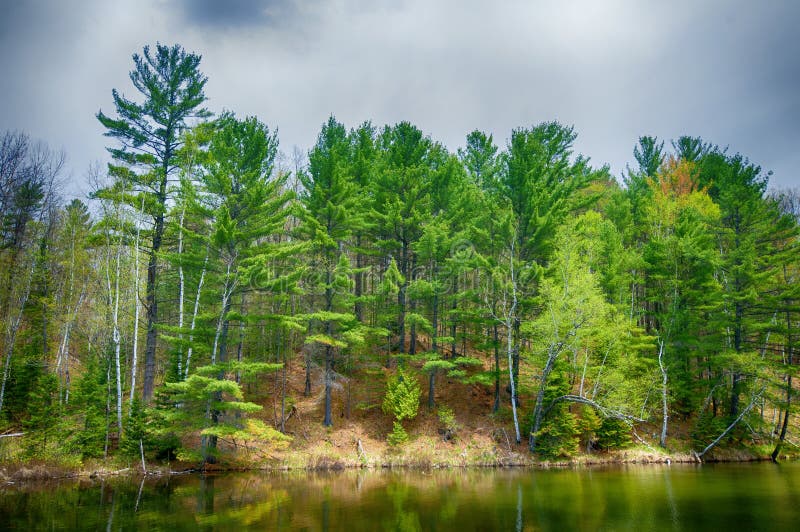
358,437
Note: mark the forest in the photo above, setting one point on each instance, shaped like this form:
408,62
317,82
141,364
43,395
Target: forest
209,289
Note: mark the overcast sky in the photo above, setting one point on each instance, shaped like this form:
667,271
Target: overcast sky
728,71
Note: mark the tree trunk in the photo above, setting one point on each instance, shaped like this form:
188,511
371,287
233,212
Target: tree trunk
194,317
496,405
401,299
509,349
219,354
116,338
358,306
219,339
435,321
790,361
737,377
665,413
180,293
537,409
135,361
453,320
412,341
282,352
328,421
431,383
152,311
307,387
517,324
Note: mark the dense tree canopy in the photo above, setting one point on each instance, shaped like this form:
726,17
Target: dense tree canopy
664,308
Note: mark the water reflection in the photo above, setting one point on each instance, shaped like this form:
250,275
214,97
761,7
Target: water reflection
673,509
753,497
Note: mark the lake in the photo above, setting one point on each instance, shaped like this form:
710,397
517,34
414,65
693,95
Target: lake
725,497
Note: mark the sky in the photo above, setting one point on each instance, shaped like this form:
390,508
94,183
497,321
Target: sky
728,71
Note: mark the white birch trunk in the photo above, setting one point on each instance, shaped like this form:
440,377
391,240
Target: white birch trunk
116,339
63,354
135,357
509,322
180,291
194,318
227,289
67,325
665,418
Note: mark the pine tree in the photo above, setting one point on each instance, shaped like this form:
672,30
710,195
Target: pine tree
746,241
402,197
245,205
332,213
150,134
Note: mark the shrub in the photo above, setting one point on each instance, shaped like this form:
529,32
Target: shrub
402,402
558,437
398,436
613,433
449,426
402,396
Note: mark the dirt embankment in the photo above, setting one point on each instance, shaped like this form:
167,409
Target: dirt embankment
358,437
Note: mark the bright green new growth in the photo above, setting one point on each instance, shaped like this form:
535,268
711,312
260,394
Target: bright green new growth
401,402
215,407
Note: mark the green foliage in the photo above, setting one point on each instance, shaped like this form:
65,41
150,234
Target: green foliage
542,184
150,132
89,402
136,431
402,396
385,248
398,436
613,433
207,405
401,402
558,437
447,419
45,427
588,423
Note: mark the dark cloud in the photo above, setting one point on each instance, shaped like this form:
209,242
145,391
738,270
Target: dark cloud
233,14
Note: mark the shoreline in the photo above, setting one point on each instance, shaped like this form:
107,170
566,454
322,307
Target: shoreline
13,474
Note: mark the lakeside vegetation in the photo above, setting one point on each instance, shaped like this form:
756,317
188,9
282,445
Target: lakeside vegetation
383,300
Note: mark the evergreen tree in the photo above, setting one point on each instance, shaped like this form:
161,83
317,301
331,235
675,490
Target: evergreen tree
649,154
480,158
332,213
150,135
401,191
747,240
245,204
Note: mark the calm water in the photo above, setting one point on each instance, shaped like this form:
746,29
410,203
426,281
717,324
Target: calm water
722,498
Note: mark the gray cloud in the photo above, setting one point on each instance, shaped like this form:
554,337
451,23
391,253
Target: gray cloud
725,70
235,14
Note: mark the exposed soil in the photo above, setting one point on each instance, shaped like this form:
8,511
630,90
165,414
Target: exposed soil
358,437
